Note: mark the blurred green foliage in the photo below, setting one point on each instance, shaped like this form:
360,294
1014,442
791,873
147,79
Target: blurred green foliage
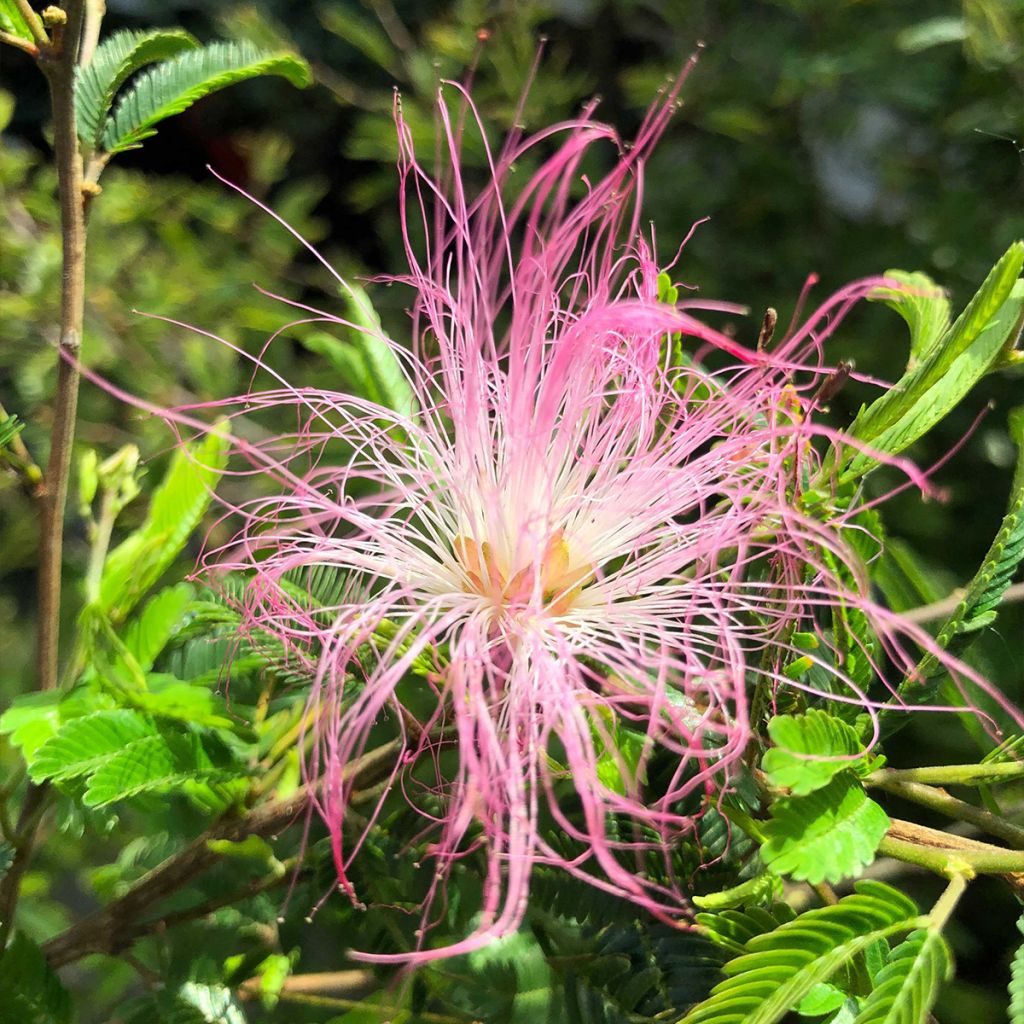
837,137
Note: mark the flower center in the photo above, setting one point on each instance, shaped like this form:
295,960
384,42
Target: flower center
516,586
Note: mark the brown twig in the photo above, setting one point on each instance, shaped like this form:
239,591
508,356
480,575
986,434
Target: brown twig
57,61
935,850
60,72
158,925
24,839
114,927
337,983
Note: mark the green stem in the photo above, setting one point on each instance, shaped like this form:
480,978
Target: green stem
950,774
34,22
939,800
21,44
952,861
946,903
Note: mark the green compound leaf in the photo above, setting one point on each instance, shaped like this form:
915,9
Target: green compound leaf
176,508
30,992
907,986
779,968
977,608
116,58
951,367
1017,981
85,744
810,749
924,306
828,835
176,84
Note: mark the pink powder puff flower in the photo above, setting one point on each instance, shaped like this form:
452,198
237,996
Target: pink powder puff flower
572,530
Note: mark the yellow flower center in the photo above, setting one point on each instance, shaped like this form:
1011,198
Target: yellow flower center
515,586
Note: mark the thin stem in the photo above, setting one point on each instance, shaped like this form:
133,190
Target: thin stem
94,11
22,44
946,903
32,809
104,528
61,74
944,608
34,22
950,774
337,983
959,810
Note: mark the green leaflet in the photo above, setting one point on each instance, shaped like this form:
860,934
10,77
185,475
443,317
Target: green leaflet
925,307
149,632
520,955
777,969
828,835
950,368
365,34
175,510
30,992
191,1004
760,889
175,84
273,973
906,988
1017,981
809,750
978,607
33,718
120,55
733,929
366,361
823,998
10,428
11,20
